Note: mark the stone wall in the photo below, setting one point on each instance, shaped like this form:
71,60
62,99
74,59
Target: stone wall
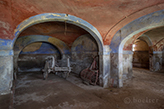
114,69
127,65
156,61
6,66
6,74
32,57
123,70
83,50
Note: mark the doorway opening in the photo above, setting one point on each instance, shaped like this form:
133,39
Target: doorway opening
140,54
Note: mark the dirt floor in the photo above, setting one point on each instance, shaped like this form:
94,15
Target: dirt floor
144,91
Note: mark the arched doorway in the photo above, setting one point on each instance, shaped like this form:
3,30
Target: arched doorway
66,20
140,54
22,42
32,57
137,26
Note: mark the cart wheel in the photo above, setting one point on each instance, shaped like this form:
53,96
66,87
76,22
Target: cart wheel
94,78
45,74
84,73
65,75
88,76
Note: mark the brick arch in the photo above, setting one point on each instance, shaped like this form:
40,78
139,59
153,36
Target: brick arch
47,17
26,40
129,18
147,22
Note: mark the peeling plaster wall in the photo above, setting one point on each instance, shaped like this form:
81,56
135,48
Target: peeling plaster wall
6,66
83,50
6,27
65,32
157,56
114,69
106,77
32,57
156,60
127,64
6,74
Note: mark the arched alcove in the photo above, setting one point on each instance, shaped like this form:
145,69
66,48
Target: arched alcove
66,20
83,50
32,56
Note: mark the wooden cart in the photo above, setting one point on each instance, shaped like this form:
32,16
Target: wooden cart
51,66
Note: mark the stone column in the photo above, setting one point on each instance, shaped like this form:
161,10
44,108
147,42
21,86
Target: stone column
156,61
114,65
6,71
106,66
127,65
121,68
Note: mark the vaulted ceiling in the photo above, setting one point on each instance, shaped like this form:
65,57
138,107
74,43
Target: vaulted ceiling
108,16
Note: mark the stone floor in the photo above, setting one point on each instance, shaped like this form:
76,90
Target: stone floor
6,101
144,91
